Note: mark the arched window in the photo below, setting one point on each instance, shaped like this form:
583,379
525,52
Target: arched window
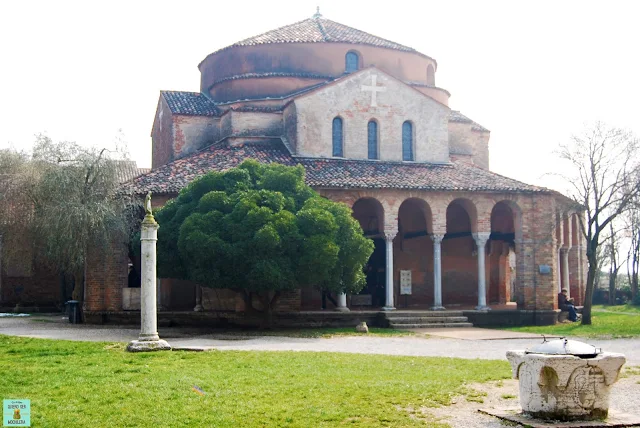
351,62
337,137
372,139
407,141
431,75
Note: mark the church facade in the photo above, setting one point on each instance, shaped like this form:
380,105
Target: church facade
366,119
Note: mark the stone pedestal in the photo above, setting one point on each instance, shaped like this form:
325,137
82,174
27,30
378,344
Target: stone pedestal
565,387
148,339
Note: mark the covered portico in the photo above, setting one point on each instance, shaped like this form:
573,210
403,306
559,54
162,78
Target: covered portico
456,250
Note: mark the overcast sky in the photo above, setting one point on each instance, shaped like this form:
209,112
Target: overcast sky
531,72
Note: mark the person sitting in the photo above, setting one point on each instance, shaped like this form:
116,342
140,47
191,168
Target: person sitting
566,305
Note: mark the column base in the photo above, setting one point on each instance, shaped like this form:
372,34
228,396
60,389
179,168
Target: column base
388,308
148,337
342,309
483,308
438,308
148,345
198,308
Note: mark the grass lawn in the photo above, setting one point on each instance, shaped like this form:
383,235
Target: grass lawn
605,323
101,385
628,309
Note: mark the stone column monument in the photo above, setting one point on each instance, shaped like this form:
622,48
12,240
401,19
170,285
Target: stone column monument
149,339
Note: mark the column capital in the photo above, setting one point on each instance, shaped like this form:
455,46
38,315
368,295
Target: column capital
437,238
565,250
481,238
389,236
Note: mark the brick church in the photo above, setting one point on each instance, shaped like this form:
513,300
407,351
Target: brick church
367,120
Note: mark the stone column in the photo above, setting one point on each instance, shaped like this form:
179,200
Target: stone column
481,239
564,257
198,307
342,303
388,239
148,339
437,273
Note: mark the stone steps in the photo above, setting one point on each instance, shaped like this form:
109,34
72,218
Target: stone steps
427,319
432,325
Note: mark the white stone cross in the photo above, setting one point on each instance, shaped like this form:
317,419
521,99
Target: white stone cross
374,89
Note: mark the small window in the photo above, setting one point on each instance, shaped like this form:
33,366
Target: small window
431,75
372,139
351,62
407,141
337,137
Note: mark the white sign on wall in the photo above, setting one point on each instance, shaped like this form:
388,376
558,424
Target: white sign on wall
405,282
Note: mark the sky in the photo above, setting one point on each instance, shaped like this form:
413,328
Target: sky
533,72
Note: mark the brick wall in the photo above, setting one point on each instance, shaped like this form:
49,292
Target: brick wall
396,105
105,277
162,135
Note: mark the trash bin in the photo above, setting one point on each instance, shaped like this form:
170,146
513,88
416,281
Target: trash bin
73,311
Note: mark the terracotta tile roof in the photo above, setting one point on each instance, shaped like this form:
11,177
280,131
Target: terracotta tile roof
319,30
456,116
190,103
172,177
127,170
331,173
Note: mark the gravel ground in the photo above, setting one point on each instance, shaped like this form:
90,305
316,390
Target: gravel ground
625,395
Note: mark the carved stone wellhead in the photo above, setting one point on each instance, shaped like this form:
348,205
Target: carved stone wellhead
565,386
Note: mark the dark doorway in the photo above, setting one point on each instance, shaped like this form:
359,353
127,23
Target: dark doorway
375,271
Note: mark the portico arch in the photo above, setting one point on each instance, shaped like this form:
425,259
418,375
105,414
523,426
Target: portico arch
413,251
459,263
370,214
502,253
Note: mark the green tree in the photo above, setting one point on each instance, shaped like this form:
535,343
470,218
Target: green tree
260,230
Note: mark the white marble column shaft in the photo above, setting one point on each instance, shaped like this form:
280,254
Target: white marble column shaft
198,307
388,239
148,309
437,273
481,239
342,303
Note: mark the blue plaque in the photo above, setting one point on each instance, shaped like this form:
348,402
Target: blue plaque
545,269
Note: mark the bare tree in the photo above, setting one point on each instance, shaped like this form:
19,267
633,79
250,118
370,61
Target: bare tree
604,180
633,256
613,254
69,195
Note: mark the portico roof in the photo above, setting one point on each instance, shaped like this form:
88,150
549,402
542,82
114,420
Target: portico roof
329,172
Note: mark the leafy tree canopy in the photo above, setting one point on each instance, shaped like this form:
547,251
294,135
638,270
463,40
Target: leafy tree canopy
260,228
